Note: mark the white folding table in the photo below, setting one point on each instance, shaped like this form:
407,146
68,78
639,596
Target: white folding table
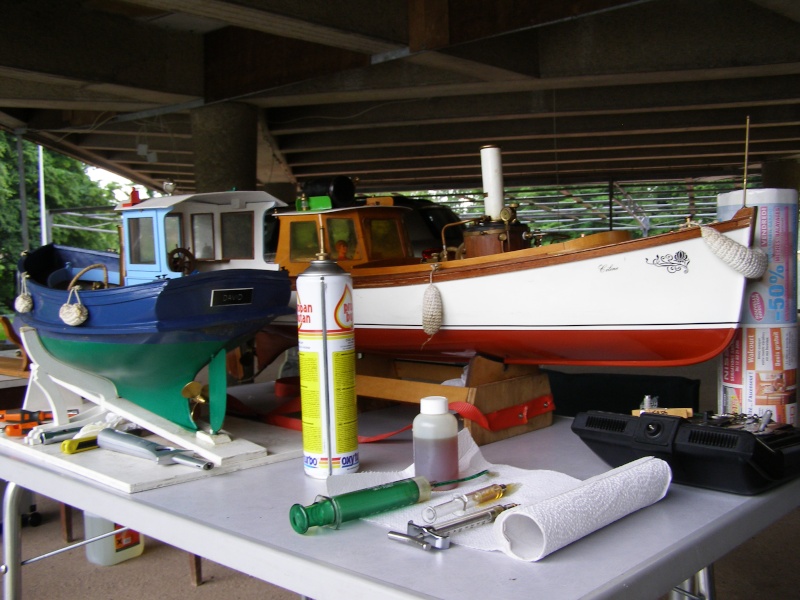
241,520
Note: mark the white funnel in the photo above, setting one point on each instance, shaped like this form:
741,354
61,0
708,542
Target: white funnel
492,172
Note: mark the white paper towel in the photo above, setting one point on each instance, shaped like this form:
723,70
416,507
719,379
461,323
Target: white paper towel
534,531
555,509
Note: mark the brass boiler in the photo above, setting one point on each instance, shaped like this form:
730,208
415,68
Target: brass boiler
494,237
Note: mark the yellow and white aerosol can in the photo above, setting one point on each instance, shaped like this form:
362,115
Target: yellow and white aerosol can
327,364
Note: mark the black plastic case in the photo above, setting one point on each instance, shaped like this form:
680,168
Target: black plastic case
701,453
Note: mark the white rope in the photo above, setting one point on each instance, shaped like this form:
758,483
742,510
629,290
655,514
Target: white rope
750,262
73,314
24,302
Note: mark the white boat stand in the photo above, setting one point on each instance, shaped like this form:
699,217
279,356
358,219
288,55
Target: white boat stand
57,386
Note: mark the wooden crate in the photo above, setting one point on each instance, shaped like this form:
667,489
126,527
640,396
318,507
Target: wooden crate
17,365
490,386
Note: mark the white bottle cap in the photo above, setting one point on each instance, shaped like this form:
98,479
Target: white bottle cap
433,405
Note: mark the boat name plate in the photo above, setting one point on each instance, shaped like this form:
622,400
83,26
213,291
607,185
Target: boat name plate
231,297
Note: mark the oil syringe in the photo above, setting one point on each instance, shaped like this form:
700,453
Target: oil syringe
462,502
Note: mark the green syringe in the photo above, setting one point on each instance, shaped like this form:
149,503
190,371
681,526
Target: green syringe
335,510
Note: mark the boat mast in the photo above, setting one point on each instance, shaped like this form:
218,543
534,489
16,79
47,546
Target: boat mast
746,149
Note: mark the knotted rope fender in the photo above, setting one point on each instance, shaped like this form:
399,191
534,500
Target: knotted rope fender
432,308
76,314
73,314
750,262
24,302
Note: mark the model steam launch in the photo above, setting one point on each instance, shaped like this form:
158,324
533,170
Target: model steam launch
604,299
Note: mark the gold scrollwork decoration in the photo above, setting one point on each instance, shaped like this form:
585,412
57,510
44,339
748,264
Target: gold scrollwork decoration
673,263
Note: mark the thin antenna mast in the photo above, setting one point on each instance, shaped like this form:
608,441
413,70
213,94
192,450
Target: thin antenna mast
746,149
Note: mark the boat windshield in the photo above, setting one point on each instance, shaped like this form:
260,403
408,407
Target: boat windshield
342,239
173,231
384,239
304,243
271,229
237,235
142,240
203,235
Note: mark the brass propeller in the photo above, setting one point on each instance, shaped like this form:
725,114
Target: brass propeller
197,394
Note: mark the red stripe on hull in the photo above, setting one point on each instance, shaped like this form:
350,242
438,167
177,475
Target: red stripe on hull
645,348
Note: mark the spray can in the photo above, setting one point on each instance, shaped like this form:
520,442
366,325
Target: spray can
326,353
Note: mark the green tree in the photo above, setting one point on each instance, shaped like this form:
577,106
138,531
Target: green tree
66,186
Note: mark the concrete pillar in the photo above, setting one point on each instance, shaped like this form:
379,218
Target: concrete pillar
783,174
224,137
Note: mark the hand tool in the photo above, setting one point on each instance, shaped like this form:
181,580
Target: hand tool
82,444
20,415
428,537
127,443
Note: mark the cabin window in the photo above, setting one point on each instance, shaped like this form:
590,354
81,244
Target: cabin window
384,239
173,231
305,244
271,229
237,235
142,241
342,240
203,236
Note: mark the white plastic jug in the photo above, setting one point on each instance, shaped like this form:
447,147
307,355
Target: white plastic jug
113,549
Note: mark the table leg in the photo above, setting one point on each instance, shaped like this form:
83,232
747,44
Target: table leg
705,583
66,523
12,542
196,569
698,587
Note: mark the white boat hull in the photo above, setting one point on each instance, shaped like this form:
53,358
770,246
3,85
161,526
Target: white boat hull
663,301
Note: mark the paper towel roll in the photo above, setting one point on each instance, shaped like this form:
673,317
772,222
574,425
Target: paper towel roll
532,532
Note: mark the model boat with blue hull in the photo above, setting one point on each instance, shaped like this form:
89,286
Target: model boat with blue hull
149,338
